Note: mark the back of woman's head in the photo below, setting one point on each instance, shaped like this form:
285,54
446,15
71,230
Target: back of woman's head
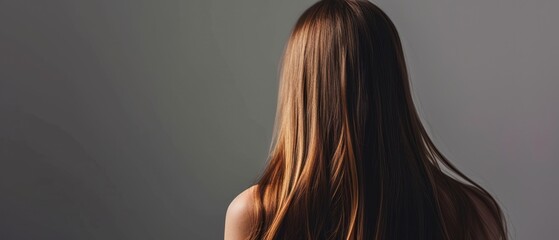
350,157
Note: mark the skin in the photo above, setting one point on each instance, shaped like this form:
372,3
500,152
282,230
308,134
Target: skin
238,218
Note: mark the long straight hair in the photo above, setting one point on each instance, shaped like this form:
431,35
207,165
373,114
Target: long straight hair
350,158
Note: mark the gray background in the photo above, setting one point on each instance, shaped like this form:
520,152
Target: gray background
143,119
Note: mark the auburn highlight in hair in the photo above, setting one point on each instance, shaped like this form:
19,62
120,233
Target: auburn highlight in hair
350,158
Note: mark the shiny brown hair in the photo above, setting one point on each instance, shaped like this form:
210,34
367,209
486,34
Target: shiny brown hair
350,158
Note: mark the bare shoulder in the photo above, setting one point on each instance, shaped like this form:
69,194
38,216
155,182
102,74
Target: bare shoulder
238,218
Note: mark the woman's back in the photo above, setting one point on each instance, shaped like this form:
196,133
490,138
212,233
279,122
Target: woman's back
241,218
351,158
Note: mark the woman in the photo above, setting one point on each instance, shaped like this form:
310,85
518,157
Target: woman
351,159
